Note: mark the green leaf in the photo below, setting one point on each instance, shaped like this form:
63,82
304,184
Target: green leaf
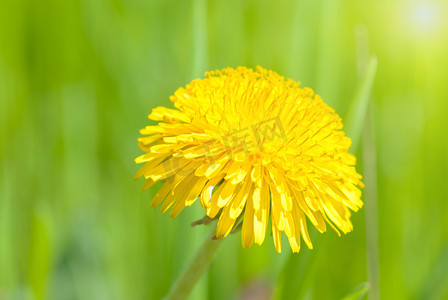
359,292
356,113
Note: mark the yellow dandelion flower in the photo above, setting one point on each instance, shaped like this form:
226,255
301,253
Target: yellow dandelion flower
252,146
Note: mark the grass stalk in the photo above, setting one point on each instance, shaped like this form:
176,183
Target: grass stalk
195,269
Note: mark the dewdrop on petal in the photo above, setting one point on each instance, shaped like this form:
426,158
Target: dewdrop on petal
251,145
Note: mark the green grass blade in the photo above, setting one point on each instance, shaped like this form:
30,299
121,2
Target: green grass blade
354,118
358,293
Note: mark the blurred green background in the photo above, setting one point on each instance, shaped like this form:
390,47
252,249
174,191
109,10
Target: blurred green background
78,79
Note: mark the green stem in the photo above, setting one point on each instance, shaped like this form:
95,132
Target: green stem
366,70
371,206
356,114
195,269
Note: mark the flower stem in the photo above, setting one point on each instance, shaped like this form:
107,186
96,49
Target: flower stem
195,269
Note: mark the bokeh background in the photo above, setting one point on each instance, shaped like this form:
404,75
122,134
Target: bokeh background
78,79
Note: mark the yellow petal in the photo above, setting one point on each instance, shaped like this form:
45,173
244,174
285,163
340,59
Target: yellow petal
149,183
277,236
225,223
277,209
147,168
247,234
237,205
163,192
261,215
256,172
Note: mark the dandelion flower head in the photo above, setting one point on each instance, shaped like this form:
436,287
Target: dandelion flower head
252,147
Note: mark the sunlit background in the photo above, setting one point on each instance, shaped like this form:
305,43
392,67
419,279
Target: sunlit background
78,79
